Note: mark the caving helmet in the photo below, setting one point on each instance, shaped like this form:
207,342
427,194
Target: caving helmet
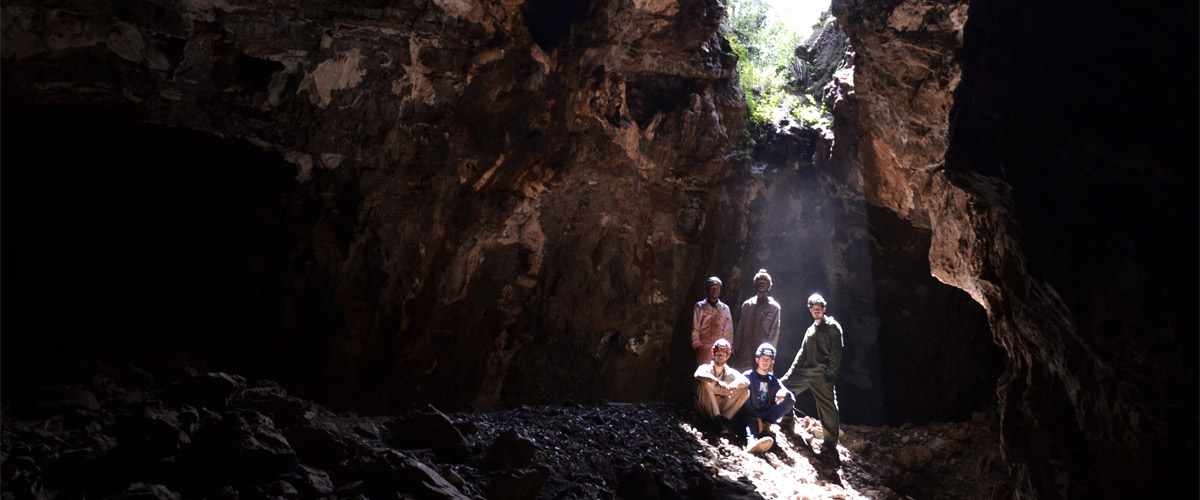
765,349
708,283
762,273
722,345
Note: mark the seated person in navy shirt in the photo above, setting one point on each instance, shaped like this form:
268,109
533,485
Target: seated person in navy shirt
769,400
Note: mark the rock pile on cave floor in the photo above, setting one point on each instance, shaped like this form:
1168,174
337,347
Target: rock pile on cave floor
215,435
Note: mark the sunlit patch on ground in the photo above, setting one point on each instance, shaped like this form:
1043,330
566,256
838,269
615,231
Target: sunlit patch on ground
792,468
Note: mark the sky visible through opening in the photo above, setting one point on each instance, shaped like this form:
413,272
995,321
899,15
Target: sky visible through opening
800,15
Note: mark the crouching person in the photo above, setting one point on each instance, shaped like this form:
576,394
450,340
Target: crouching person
720,390
768,402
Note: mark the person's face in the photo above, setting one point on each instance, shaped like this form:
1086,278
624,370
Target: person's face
761,285
714,292
817,310
720,357
765,363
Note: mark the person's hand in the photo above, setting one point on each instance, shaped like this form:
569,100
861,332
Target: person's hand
780,396
726,390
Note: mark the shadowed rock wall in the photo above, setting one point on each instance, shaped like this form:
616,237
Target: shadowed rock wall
1078,237
485,205
503,201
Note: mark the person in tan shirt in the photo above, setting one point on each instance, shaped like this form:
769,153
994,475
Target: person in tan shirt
720,390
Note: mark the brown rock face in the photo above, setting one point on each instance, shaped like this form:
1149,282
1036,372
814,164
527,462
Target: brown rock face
1051,219
903,110
478,205
499,202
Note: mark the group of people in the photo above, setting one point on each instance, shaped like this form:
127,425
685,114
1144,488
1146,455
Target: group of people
749,401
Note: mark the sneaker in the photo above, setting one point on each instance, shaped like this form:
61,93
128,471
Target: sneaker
761,444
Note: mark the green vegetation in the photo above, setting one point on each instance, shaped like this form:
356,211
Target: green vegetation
769,72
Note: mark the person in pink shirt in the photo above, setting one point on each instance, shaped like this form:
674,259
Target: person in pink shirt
711,320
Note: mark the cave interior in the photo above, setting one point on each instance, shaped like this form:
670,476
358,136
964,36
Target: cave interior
493,243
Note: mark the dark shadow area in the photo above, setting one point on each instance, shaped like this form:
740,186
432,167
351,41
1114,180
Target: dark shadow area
550,21
1104,189
662,95
938,360
134,243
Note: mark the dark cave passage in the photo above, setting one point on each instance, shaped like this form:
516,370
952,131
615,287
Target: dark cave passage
135,243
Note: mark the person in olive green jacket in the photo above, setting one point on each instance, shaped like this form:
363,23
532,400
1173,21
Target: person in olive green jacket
816,367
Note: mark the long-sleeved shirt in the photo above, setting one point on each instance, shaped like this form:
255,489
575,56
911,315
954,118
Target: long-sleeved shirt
762,391
709,323
821,351
730,376
758,324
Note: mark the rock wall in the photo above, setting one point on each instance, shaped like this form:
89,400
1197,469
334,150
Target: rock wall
915,349
491,204
503,202
1051,218
476,206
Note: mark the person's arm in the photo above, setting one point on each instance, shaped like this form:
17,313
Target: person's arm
773,331
738,333
781,392
796,362
835,352
696,327
727,324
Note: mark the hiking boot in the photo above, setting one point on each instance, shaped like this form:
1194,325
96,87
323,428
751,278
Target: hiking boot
761,444
829,453
724,425
788,422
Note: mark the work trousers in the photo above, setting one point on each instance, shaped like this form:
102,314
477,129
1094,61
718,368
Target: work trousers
769,416
826,397
710,404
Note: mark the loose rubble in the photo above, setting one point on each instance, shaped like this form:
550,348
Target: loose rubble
215,435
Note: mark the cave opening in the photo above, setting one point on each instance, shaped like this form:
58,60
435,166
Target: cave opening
129,243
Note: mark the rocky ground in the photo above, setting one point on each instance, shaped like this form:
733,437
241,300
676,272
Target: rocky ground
214,435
